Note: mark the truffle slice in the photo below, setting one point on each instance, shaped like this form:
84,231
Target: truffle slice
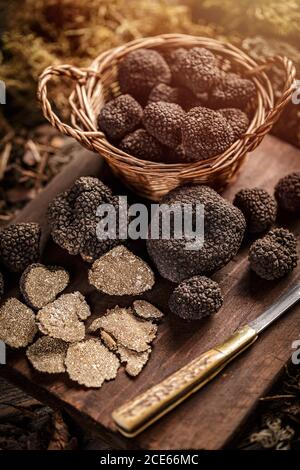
163,121
205,133
1,285
147,311
140,71
41,284
258,207
196,298
120,272
142,145
274,255
135,361
224,230
62,318
237,119
90,363
287,192
126,329
20,245
48,355
198,68
109,341
17,323
120,116
232,91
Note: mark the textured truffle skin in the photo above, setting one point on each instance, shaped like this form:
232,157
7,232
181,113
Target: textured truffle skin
163,121
232,91
142,145
205,133
198,69
163,92
73,221
20,245
140,71
174,58
274,255
258,207
224,227
120,116
237,119
1,285
287,192
196,298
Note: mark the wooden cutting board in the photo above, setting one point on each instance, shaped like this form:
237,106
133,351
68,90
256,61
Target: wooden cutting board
211,417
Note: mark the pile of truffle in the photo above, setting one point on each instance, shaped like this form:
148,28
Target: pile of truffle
178,107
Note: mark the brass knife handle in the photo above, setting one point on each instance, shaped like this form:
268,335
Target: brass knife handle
136,415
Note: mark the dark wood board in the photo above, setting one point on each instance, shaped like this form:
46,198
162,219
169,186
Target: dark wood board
211,417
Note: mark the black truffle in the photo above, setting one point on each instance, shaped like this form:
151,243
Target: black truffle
1,285
205,133
163,92
142,145
274,255
73,219
174,58
140,71
258,207
287,192
164,121
196,298
120,116
237,119
198,69
20,245
232,91
224,229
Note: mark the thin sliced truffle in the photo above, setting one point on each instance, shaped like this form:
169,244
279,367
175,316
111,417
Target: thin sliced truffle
287,192
198,69
90,363
142,145
274,255
17,323
164,121
147,311
48,355
224,226
140,71
196,298
205,133
41,284
62,318
232,91
135,361
73,218
109,341
237,119
126,328
1,285
20,245
258,207
120,272
120,116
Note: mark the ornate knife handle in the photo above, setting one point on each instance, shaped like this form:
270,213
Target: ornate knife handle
136,415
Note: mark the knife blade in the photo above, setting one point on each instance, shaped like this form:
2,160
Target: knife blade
138,414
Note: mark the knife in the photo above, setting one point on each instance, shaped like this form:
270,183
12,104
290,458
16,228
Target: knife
136,415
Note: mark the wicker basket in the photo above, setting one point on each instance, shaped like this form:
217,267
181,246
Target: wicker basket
98,84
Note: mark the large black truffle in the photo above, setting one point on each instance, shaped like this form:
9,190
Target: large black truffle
142,145
120,116
174,58
163,92
237,119
163,121
287,192
205,133
232,91
274,255
198,69
196,298
258,207
224,227
20,245
140,71
73,219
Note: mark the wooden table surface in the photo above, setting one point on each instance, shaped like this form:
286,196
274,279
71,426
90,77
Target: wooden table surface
210,418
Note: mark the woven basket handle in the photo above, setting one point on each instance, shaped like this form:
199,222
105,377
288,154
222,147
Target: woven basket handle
75,74
288,88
